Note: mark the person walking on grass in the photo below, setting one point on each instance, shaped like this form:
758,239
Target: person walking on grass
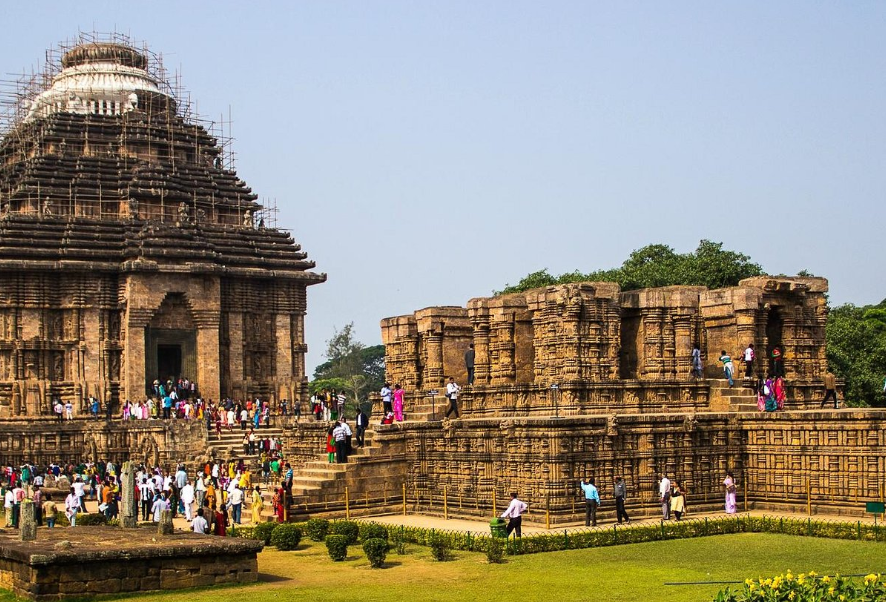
514,514
592,500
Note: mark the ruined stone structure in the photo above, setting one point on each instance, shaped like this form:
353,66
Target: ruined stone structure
608,350
131,251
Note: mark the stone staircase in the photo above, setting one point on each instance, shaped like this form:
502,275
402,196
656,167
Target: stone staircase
230,445
738,398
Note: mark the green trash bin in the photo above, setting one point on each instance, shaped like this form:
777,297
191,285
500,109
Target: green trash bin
499,527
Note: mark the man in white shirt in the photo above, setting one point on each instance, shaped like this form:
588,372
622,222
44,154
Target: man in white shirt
386,397
748,357
235,500
339,435
199,525
8,503
515,515
452,390
664,495
187,497
78,486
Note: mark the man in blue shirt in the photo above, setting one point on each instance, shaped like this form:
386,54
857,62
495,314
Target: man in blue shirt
592,500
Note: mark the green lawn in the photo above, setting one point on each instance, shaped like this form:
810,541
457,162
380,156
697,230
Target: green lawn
620,573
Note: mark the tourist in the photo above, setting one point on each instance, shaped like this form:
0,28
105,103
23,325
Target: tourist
187,499
330,444
94,408
748,358
664,496
72,507
339,434
288,479
69,410
386,398
59,409
697,370
678,502
728,368
235,501
620,494
768,393
780,392
37,498
452,390
8,504
221,521
830,389
514,514
592,500
49,511
277,503
199,525
469,363
348,434
361,421
729,484
398,403
777,357
78,485
146,496
256,505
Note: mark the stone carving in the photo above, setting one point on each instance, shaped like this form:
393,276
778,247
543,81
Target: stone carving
690,422
612,425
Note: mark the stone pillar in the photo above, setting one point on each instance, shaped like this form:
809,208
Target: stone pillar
208,373
235,354
128,501
434,376
682,345
27,521
164,527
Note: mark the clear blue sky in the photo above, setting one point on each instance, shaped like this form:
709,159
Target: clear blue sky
426,153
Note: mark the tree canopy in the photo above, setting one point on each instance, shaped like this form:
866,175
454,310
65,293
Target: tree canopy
857,351
350,366
655,265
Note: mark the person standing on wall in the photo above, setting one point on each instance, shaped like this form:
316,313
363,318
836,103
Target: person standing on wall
452,390
592,500
777,356
361,421
514,514
386,398
830,389
697,370
748,359
728,368
620,493
469,363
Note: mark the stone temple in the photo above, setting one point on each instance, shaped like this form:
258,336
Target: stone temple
131,251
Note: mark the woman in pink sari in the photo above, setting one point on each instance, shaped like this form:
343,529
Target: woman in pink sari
398,403
729,483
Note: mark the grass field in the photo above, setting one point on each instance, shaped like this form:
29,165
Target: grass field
619,573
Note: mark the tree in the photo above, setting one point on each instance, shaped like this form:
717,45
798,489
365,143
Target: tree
857,351
350,367
659,265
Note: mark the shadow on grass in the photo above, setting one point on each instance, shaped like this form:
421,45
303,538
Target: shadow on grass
270,578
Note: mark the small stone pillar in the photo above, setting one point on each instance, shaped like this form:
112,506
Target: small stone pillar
129,510
165,525
27,521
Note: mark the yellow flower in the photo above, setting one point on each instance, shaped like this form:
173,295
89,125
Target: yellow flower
812,574
748,582
868,579
792,595
789,576
831,591
825,579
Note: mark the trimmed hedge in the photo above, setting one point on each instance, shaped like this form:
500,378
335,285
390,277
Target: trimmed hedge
286,536
88,520
337,546
348,528
317,528
263,531
373,531
376,550
591,537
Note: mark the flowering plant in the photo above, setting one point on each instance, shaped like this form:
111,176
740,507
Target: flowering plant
807,587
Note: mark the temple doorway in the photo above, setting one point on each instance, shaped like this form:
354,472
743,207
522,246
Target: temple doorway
169,362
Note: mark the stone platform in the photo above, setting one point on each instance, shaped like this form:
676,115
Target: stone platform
110,560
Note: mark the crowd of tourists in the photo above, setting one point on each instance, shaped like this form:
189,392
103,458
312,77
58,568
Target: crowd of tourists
211,498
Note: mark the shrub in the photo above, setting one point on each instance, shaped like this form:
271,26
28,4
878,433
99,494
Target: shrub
317,528
807,588
373,531
286,537
439,548
88,520
495,553
337,546
263,531
348,528
398,541
376,550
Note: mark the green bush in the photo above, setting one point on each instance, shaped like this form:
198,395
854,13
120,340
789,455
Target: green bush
495,552
286,537
376,550
263,531
439,548
317,528
807,588
373,531
89,520
398,541
348,528
337,546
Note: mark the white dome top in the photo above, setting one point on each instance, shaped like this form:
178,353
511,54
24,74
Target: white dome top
104,79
